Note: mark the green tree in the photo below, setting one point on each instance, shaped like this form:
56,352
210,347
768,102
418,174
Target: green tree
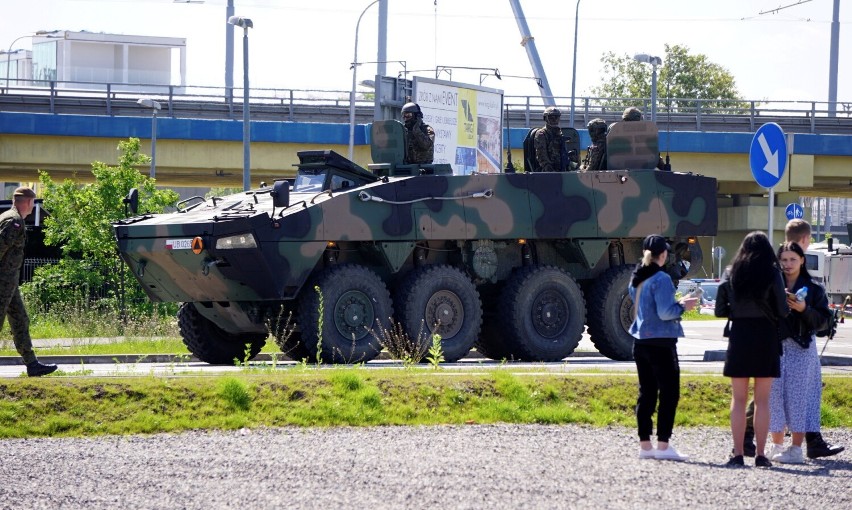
80,222
683,81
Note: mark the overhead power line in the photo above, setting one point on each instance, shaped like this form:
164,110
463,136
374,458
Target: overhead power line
775,11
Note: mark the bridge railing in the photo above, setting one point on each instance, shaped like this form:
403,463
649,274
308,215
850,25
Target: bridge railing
310,105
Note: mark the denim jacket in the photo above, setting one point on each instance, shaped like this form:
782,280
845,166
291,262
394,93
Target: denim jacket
657,313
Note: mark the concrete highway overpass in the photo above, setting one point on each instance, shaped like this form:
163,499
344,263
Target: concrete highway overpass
198,152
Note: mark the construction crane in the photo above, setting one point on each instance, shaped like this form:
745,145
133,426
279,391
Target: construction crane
528,42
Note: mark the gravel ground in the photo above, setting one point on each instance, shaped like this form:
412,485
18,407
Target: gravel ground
473,466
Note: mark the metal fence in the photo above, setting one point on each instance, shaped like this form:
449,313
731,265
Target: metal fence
30,265
308,105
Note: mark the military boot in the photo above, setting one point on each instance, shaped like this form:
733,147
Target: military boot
36,369
817,447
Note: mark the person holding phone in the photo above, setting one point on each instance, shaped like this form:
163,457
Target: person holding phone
795,399
655,329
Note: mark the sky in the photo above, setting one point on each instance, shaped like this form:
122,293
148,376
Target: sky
298,44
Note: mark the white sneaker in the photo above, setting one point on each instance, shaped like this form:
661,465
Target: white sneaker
775,451
669,454
647,454
792,455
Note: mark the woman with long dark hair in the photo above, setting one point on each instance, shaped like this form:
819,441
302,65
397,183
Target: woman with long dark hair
795,398
752,297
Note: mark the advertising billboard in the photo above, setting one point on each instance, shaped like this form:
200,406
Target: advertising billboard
468,124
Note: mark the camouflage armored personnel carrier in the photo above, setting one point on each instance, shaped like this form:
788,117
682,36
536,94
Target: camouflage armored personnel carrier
516,265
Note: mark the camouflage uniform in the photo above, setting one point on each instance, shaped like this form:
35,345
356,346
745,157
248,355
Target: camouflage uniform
421,142
13,238
548,149
596,153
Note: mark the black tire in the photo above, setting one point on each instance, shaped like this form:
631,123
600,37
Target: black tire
288,339
444,296
610,314
543,313
209,343
354,298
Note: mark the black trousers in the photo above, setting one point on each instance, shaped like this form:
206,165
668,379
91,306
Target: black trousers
659,378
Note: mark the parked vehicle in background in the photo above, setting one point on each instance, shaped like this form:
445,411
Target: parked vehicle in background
709,287
831,264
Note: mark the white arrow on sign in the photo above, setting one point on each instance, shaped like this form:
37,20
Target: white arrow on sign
771,166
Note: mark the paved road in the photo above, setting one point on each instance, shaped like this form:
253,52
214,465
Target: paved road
700,351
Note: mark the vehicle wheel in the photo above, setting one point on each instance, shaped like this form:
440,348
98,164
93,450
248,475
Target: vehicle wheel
610,314
288,337
543,313
209,343
353,299
441,299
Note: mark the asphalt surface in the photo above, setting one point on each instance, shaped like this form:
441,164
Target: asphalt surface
702,351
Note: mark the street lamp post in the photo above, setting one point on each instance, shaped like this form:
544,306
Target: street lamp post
354,82
229,57
574,71
155,107
654,61
246,24
9,52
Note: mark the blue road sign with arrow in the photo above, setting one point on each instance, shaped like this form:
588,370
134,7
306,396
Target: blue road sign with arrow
794,212
768,155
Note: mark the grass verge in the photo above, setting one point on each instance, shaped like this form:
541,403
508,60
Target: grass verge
353,397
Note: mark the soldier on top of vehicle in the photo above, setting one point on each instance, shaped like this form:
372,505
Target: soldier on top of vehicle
421,136
551,153
596,153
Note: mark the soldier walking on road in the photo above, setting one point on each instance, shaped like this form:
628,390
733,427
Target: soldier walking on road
13,238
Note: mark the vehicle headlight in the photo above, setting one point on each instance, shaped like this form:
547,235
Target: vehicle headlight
236,242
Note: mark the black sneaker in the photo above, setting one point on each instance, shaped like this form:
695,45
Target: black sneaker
735,461
817,447
761,461
36,369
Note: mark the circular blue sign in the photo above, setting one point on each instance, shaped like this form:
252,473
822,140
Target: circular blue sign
768,155
794,212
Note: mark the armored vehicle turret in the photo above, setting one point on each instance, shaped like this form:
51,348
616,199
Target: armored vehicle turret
515,265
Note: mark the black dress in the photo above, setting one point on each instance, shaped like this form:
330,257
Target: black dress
753,349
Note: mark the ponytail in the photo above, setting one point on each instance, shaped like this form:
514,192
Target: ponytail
647,257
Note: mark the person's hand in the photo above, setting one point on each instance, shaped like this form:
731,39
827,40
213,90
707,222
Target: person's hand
688,303
795,304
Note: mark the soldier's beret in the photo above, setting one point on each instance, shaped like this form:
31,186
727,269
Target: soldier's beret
24,191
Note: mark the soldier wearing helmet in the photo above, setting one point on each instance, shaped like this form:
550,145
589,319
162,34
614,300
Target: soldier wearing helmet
421,136
596,153
549,144
632,113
